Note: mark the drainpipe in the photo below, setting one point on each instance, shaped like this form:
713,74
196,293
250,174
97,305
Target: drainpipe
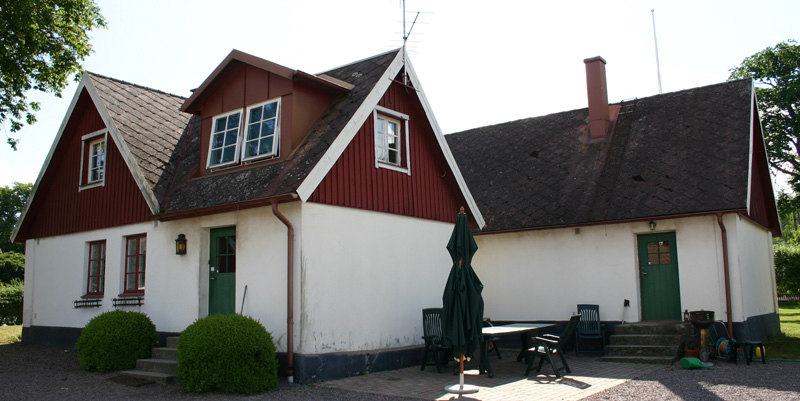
289,291
727,273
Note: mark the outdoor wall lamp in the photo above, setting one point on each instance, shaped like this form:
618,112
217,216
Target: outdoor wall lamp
180,245
652,225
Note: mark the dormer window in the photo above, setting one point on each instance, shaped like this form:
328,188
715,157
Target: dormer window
93,159
391,140
224,147
261,137
263,131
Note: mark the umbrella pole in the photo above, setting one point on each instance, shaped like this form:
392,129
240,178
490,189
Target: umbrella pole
461,388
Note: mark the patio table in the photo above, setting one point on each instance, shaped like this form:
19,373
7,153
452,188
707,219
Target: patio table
523,329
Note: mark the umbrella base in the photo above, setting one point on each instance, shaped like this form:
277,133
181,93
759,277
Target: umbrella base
461,389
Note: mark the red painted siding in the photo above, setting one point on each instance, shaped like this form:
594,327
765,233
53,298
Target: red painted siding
430,192
762,201
60,208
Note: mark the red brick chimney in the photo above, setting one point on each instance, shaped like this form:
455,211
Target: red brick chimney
599,117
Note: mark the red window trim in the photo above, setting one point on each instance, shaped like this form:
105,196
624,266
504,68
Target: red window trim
101,276
138,271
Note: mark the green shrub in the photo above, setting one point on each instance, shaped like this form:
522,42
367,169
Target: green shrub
787,269
12,266
233,353
11,302
114,340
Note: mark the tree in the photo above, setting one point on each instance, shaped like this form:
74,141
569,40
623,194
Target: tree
776,72
42,43
12,201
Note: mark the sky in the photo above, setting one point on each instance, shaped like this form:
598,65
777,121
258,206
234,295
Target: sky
479,62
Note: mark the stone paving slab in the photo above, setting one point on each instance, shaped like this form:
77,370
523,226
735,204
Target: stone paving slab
589,376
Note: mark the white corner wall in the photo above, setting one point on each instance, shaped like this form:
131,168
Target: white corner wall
365,278
752,271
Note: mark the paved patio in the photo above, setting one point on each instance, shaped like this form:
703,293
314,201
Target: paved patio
589,376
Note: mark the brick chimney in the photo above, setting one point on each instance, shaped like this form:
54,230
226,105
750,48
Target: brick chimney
599,118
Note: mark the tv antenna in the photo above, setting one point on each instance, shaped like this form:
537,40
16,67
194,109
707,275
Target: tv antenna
405,39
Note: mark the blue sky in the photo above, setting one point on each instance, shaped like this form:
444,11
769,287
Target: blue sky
479,64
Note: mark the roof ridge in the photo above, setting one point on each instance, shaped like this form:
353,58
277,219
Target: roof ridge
359,61
132,84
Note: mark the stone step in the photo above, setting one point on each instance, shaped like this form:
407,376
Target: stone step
161,378
157,366
172,342
640,359
165,353
670,351
646,339
679,328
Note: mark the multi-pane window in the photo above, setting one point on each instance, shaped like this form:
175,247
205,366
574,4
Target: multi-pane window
224,139
262,132
97,268
658,253
135,252
387,140
97,160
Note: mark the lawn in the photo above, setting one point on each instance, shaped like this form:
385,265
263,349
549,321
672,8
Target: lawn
787,344
10,334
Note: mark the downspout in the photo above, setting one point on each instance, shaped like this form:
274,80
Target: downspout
289,291
727,273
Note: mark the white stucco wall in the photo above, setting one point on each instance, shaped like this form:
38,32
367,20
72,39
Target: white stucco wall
753,271
543,275
365,278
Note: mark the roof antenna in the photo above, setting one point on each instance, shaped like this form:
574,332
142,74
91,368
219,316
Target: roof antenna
658,66
405,38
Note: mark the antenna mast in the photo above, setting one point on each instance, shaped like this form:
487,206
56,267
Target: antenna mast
658,66
405,38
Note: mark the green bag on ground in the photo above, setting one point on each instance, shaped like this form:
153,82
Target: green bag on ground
693,363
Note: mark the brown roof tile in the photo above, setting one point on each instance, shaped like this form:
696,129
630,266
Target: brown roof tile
679,153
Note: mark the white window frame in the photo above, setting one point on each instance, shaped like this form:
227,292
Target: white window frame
402,122
86,144
237,146
276,140
92,166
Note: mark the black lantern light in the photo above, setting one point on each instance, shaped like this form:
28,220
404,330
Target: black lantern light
180,245
652,225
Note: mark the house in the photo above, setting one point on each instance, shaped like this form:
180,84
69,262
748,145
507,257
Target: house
321,204
648,208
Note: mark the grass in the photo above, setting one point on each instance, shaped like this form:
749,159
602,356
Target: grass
787,344
10,334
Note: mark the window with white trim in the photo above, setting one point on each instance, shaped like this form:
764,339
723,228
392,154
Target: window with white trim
391,140
224,146
97,160
263,132
135,261
94,149
95,284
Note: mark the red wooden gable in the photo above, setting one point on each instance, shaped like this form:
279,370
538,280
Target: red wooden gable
429,192
59,207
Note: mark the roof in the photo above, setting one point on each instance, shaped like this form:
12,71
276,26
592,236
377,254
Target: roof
674,154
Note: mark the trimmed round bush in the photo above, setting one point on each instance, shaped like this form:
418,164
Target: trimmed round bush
114,340
233,353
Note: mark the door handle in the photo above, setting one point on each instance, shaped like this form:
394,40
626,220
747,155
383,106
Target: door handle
644,273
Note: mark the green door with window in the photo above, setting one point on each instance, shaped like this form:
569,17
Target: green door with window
658,277
222,271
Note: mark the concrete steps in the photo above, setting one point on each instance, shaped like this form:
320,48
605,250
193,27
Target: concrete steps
161,367
647,342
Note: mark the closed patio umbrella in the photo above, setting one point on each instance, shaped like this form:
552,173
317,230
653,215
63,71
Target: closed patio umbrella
462,317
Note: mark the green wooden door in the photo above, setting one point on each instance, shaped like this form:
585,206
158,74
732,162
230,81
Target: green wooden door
658,277
222,271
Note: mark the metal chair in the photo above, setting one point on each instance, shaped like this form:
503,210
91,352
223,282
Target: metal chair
432,334
548,345
589,328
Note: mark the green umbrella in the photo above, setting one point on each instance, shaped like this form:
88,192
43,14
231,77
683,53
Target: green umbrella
462,318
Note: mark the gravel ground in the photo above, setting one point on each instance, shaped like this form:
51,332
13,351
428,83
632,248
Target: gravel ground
773,381
30,372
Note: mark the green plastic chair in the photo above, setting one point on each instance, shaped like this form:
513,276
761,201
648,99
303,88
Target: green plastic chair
432,334
589,328
547,346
